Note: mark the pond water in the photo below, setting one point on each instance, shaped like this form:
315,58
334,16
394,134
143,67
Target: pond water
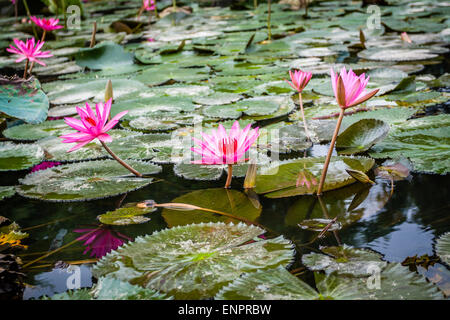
194,70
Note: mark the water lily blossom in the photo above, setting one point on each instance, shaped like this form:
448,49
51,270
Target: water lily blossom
46,24
101,240
299,80
349,90
29,50
94,125
222,148
405,37
149,5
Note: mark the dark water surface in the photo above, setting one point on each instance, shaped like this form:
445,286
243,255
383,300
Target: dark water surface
398,227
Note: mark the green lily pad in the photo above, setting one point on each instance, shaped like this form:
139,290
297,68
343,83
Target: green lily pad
280,180
125,216
23,99
443,247
15,157
279,284
108,288
85,181
424,141
396,54
228,201
194,261
105,55
32,132
198,172
344,260
7,192
361,136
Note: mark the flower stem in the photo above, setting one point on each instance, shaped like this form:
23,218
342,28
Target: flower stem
230,175
303,115
26,70
255,3
156,11
94,31
269,31
330,151
120,160
27,9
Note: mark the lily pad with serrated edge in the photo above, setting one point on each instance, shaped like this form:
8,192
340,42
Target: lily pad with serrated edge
279,180
14,157
344,260
85,181
443,247
361,136
32,132
194,261
228,201
7,192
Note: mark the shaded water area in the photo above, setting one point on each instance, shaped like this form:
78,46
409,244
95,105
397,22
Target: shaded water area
403,226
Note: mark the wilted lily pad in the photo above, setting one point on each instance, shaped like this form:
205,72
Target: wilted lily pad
194,261
85,181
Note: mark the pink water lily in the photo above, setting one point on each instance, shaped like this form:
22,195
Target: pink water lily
299,79
149,5
91,125
95,125
222,148
349,89
46,24
29,50
101,241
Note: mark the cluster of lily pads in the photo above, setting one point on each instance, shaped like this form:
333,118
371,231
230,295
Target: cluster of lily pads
213,67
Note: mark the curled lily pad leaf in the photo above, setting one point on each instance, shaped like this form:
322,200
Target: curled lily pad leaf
360,176
230,202
279,284
443,247
280,180
344,260
85,181
125,216
7,192
23,99
15,157
194,261
31,132
424,141
361,136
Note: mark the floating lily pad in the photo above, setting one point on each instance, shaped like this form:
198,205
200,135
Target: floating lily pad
344,260
7,192
396,54
108,288
194,261
443,247
23,99
361,136
279,181
125,216
105,55
198,172
279,284
228,201
424,141
31,132
15,157
85,181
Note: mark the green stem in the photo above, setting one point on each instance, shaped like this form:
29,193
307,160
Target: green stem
29,16
303,116
269,31
330,151
136,173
